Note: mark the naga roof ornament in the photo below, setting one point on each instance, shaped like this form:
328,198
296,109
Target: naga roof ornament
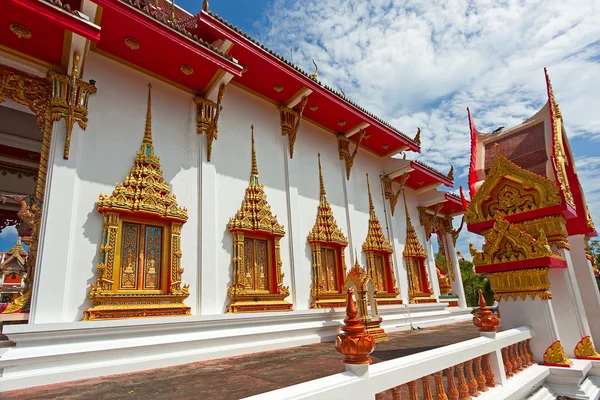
144,189
325,228
255,213
376,240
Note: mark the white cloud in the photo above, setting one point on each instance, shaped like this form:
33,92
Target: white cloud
422,62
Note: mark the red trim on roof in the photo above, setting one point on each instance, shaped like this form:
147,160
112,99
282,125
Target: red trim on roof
63,18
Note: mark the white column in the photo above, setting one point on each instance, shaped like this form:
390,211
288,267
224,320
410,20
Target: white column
537,314
452,262
299,293
568,306
433,278
208,301
586,281
53,263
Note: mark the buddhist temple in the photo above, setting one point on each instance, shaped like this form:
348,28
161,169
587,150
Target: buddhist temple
221,201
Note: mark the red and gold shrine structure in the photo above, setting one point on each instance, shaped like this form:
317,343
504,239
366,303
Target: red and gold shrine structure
328,244
139,274
528,204
257,278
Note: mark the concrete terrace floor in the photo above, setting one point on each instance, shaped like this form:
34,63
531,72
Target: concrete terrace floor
238,377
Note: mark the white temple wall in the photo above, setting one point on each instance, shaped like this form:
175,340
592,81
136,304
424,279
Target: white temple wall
100,158
231,157
305,196
211,191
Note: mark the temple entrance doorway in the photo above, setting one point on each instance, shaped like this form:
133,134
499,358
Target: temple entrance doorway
20,149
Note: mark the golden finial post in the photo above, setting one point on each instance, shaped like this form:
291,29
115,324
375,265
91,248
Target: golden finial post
371,206
148,129
205,5
254,165
323,194
172,10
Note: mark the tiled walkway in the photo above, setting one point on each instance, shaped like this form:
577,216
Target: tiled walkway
238,377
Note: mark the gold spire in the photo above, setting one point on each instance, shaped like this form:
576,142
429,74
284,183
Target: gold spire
323,194
371,206
148,130
254,165
356,263
205,5
412,247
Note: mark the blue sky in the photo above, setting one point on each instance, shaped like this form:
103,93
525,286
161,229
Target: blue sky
420,63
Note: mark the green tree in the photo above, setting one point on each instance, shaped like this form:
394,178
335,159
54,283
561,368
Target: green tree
595,252
472,282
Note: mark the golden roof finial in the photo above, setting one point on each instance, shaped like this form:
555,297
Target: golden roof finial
254,165
323,194
371,206
205,5
148,130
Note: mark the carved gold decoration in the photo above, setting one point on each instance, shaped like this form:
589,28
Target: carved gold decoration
344,150
132,43
290,122
34,93
278,88
559,157
510,190
419,286
532,282
389,192
585,349
590,257
187,69
440,225
19,30
378,251
207,118
144,196
554,228
314,107
327,288
360,279
555,356
254,218
505,242
342,122
315,74
450,175
69,100
354,343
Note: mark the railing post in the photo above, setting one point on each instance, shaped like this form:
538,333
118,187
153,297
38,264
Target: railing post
497,364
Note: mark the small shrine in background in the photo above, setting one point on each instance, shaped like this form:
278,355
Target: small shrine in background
12,272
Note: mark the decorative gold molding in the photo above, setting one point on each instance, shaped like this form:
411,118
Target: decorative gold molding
34,93
207,118
344,150
555,356
388,190
326,232
19,31
255,217
532,282
290,122
505,242
69,100
450,174
146,197
510,189
417,138
559,157
585,349
554,228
